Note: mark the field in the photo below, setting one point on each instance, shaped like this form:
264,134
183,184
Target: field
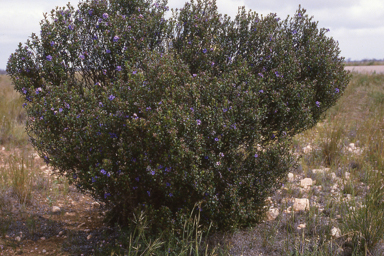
340,172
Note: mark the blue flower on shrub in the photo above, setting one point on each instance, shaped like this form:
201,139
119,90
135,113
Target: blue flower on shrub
153,172
70,27
118,68
170,194
107,51
198,122
337,90
94,179
113,135
137,179
49,58
111,97
100,104
106,195
317,104
74,176
216,139
24,104
105,16
116,38
167,184
82,56
205,50
60,110
149,193
103,171
256,155
52,43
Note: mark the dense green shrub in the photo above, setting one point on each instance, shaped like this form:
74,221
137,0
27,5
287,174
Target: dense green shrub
152,114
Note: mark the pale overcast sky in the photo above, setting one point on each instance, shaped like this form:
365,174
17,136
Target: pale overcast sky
358,25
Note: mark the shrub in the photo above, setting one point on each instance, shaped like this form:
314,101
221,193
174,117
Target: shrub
151,114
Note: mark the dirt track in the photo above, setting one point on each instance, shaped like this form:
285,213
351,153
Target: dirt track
366,69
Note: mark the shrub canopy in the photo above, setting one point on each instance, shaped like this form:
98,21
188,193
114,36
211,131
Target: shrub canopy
152,114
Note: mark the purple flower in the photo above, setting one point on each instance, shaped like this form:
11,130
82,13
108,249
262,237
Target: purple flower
167,184
261,91
198,122
111,97
192,109
149,193
317,104
82,56
94,179
256,155
52,43
103,171
134,72
137,179
216,139
194,75
24,104
153,172
70,27
60,110
277,74
105,71
337,90
205,50
213,63
38,90
74,176
106,194
260,74
294,32
221,154
108,51
100,104
49,58
105,16
116,38
170,194
299,14
218,163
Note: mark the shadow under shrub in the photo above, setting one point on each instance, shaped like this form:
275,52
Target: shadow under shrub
156,115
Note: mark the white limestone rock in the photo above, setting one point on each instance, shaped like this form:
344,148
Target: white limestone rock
306,183
301,204
56,209
272,214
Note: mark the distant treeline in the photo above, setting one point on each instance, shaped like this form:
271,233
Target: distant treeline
364,62
3,72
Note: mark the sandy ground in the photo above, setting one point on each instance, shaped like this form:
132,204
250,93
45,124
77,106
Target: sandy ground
366,69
